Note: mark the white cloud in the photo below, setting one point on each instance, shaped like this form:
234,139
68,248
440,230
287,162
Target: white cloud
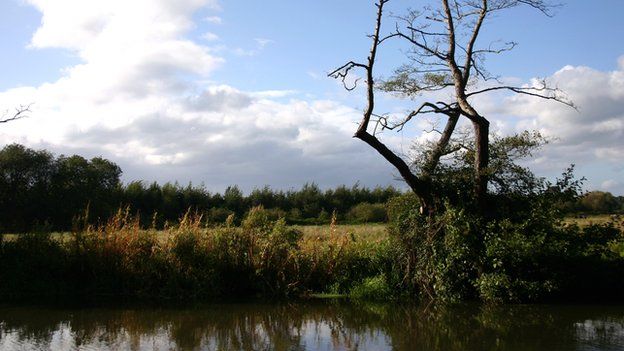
610,184
596,129
262,42
214,20
244,52
209,36
592,137
140,97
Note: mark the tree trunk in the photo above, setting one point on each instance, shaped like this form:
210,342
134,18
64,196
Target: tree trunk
481,161
420,187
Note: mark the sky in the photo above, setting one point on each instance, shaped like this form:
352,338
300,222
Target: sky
220,92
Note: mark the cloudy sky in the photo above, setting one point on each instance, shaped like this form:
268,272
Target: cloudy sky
235,92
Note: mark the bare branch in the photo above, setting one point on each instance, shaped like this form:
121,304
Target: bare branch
441,148
342,73
432,108
19,113
542,92
431,51
473,40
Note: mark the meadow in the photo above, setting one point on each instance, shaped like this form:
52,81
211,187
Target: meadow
368,232
260,257
600,219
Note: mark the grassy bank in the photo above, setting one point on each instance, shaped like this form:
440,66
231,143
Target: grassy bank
267,258
259,258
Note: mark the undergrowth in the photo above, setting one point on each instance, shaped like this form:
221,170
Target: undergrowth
261,257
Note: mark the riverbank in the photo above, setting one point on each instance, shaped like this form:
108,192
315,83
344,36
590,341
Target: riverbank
261,258
189,261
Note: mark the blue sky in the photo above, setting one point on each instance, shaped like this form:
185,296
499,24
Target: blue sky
235,92
312,37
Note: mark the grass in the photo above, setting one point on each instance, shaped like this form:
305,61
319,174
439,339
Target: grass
618,222
190,261
367,232
259,258
372,232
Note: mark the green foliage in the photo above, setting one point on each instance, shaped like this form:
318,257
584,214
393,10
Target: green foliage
517,249
459,256
371,288
599,202
46,193
38,190
367,213
410,82
231,246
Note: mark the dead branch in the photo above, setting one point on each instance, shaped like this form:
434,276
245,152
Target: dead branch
542,92
19,113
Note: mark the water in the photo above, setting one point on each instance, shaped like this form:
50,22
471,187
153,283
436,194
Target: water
320,325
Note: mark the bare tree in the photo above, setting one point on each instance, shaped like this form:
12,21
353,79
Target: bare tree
443,55
19,113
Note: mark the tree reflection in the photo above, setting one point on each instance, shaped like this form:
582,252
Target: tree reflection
321,325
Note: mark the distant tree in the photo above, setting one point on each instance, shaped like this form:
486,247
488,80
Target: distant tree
265,197
38,189
25,182
308,200
443,53
233,200
599,202
41,191
79,184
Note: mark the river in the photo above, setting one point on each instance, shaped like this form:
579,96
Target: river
313,325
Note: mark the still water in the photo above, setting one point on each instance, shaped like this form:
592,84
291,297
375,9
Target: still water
319,325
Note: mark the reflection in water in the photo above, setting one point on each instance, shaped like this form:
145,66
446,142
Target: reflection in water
324,325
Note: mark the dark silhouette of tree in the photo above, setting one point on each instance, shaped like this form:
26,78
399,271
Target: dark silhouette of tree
443,53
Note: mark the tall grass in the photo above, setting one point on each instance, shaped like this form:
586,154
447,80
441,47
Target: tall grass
261,257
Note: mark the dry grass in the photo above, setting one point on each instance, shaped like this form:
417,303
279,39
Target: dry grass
259,258
364,232
597,219
360,232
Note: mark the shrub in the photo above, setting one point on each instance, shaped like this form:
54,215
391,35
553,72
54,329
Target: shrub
458,256
218,215
371,288
367,213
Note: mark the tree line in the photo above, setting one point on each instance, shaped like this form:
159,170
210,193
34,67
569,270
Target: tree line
596,202
42,192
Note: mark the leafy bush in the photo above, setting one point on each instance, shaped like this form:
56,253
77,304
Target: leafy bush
367,213
371,288
531,256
